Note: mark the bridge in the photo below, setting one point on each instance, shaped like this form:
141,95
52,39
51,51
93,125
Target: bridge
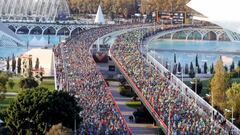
66,29
200,33
207,109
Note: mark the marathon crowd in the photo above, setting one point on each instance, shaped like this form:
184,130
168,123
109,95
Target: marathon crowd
77,73
175,107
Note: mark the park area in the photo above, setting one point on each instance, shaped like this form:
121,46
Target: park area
13,87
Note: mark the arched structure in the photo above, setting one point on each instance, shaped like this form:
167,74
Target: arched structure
210,36
34,10
51,28
8,38
195,35
63,31
36,31
201,33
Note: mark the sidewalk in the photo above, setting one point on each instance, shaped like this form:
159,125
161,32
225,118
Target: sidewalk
136,128
10,94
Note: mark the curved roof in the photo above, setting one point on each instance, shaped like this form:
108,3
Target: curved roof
35,10
8,38
224,13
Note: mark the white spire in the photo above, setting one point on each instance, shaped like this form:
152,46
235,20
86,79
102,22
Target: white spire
99,16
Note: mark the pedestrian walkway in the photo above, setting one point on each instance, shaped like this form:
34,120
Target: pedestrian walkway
136,128
10,94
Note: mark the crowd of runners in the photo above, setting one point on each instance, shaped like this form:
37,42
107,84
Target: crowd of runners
77,73
176,108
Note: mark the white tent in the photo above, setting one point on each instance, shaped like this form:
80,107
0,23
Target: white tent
224,13
99,16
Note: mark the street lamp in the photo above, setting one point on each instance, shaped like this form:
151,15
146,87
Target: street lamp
230,111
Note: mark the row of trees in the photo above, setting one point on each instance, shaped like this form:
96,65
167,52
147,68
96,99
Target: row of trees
225,95
111,8
234,71
126,8
16,65
148,6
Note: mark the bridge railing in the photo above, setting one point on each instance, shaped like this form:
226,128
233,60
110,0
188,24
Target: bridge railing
200,102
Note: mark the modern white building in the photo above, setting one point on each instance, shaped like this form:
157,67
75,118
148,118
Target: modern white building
33,10
224,13
8,38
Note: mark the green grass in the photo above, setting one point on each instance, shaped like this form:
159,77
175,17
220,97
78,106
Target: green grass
16,80
133,104
48,83
6,102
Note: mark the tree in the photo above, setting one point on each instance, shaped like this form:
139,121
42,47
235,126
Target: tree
205,68
58,129
19,65
3,90
186,69
196,61
226,68
30,67
199,70
212,69
11,84
3,79
8,65
232,67
191,72
239,64
233,101
34,111
179,67
13,63
37,64
28,83
175,58
219,84
174,68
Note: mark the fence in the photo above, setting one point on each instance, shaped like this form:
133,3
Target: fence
205,107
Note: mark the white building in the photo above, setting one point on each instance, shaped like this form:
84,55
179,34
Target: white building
224,13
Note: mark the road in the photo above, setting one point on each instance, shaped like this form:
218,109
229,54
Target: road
136,128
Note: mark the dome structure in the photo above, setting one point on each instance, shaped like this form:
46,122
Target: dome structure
34,10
